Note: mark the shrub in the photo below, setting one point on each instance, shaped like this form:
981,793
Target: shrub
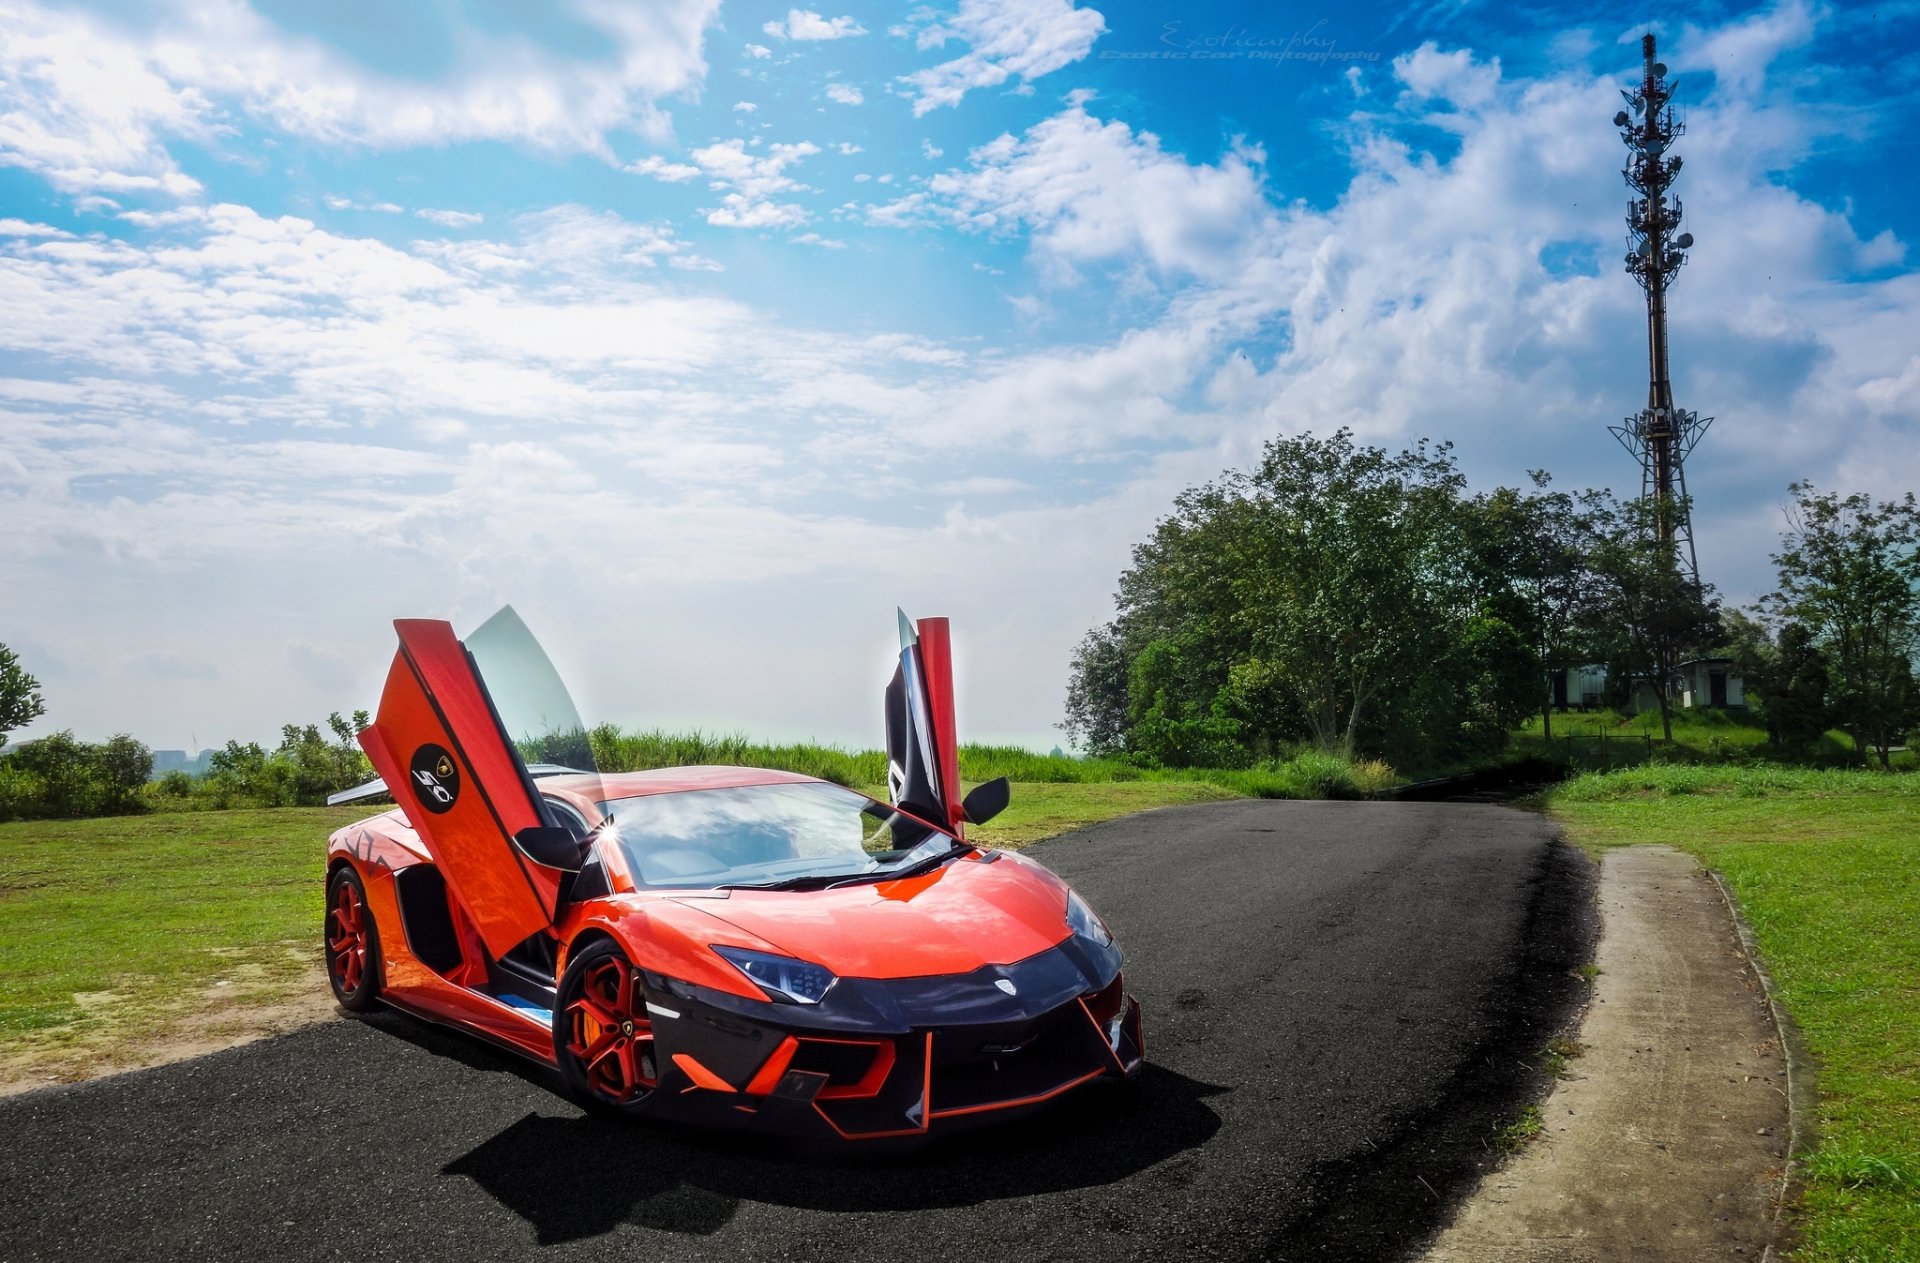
22,793
62,776
300,772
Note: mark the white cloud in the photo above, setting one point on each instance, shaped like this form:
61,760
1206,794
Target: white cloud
847,148
165,219
335,202
751,181
91,104
845,94
660,169
1740,53
1005,38
450,218
730,165
744,107
805,24
1090,191
929,150
1452,76
737,210
85,107
25,228
759,52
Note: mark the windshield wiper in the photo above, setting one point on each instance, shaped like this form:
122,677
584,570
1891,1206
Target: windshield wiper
785,883
914,869
829,881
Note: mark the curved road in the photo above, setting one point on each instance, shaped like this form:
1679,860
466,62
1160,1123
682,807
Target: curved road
1341,998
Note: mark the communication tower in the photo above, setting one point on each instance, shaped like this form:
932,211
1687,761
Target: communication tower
1660,436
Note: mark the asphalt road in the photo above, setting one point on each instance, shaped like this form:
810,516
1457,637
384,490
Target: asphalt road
1341,999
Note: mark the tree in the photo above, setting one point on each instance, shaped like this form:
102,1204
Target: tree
1551,538
1650,610
1097,692
20,701
1786,678
1849,573
1334,593
1358,582
122,768
1797,710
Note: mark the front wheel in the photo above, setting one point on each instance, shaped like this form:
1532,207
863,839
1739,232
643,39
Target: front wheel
602,1036
353,944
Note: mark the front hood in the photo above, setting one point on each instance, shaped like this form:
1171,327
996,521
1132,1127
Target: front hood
963,916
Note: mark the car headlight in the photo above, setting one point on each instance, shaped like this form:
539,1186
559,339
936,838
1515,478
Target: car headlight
783,978
1082,921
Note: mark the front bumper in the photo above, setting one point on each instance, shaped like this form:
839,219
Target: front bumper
897,1058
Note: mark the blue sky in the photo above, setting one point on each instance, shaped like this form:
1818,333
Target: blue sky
705,334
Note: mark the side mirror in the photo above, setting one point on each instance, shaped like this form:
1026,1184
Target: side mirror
553,847
986,801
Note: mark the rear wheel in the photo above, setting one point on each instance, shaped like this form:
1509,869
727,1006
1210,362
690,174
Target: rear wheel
353,944
602,1036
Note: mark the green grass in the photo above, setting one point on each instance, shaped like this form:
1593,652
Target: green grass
1605,740
111,929
1826,867
1510,1138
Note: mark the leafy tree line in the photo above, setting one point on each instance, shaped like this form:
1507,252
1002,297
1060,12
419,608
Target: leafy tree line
58,776
1340,596
301,771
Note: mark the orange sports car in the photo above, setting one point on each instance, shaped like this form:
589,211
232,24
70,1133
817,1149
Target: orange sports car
714,944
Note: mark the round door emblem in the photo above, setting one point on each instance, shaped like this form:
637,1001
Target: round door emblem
436,780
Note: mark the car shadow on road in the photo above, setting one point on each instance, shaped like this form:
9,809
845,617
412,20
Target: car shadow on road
576,1177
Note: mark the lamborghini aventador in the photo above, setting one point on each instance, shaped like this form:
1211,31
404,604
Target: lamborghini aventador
717,944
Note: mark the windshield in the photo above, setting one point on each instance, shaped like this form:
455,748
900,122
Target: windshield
765,835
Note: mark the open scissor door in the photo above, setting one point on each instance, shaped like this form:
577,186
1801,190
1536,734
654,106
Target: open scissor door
439,743
923,752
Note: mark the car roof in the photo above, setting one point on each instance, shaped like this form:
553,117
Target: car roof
670,780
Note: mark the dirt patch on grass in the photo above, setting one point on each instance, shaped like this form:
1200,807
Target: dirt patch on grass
238,1009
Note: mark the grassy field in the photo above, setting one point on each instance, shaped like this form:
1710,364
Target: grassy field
121,934
115,931
1604,740
1826,867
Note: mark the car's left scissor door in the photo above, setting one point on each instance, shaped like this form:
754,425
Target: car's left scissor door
440,746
